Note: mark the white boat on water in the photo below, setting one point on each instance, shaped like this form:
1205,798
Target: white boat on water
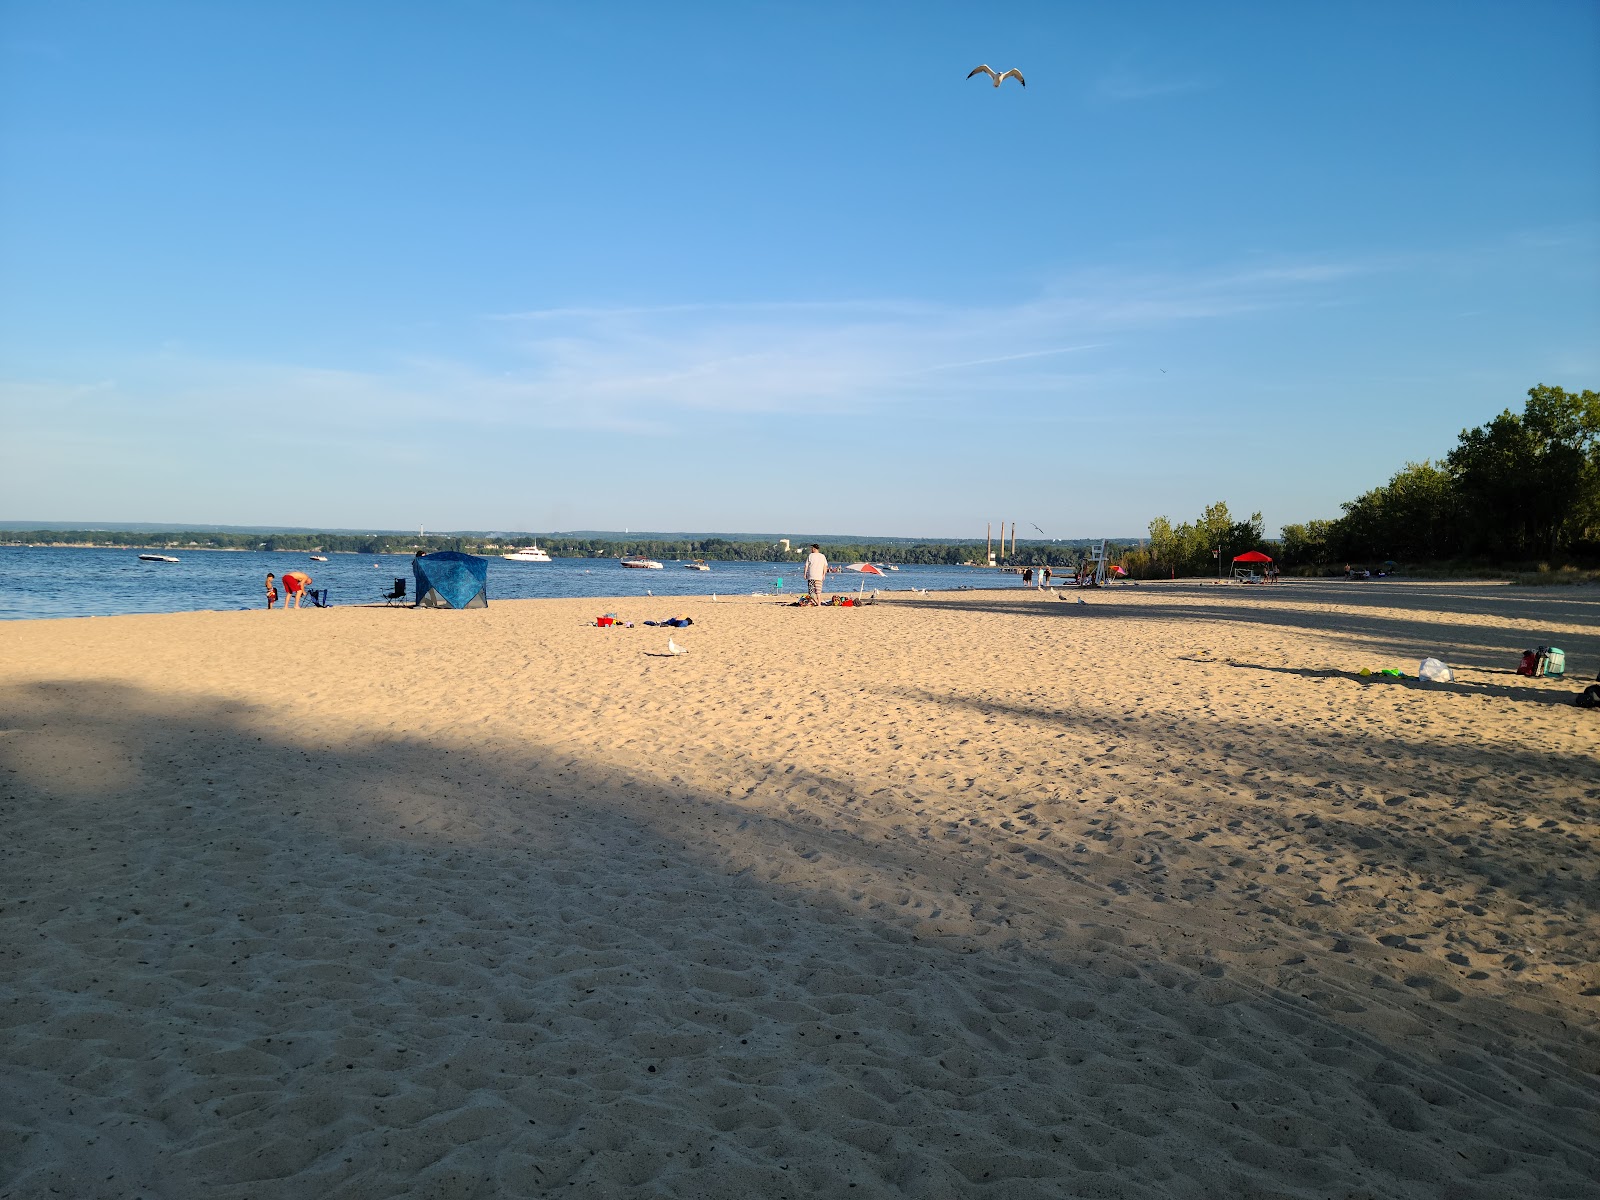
319,558
639,563
698,564
527,554
156,558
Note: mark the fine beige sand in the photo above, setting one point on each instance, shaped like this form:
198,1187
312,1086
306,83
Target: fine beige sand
976,894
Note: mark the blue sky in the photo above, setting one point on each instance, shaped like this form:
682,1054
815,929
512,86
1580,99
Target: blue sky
748,266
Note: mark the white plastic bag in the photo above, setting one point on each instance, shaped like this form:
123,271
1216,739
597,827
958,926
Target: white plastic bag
1434,671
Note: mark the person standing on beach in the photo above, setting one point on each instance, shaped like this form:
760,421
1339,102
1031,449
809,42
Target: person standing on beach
816,571
272,589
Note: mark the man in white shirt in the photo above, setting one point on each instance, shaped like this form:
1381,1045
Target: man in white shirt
816,570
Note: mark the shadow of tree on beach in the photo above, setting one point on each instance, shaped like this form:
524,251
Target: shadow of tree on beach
1266,778
1462,643
245,963
1518,693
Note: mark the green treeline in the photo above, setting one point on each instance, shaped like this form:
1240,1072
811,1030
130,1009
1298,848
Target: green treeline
722,549
1523,487
726,550
357,543
1202,547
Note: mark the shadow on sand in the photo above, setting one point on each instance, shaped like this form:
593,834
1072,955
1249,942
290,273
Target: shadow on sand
1463,643
240,964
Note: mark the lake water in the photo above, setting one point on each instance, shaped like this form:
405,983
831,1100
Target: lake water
61,582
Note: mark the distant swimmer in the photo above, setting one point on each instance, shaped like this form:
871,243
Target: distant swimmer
989,71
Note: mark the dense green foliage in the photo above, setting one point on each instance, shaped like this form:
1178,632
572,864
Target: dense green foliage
1523,486
1202,547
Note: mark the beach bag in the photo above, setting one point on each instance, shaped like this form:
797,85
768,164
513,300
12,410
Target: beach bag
1530,663
1589,697
1434,671
1555,661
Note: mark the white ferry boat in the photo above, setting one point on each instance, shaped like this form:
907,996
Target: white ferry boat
639,563
527,554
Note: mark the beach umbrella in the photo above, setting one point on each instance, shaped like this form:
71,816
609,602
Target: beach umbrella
864,568
1252,556
1117,570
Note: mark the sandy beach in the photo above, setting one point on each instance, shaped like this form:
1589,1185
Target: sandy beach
972,894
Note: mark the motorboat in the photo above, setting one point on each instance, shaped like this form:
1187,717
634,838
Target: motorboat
156,558
640,563
698,564
319,558
526,554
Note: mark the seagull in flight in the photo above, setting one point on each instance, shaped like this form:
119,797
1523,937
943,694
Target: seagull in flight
998,79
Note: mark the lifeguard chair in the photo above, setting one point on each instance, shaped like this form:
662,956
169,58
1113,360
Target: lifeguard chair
1093,571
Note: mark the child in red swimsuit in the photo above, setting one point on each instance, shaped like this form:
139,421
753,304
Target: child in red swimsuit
272,589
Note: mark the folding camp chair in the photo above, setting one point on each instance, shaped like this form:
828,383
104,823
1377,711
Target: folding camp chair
319,597
395,595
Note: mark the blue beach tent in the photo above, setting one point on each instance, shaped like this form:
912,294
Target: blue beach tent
450,579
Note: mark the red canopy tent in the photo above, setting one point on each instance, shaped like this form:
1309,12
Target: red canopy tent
1252,557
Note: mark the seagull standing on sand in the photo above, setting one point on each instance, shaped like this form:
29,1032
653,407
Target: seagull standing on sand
673,647
989,71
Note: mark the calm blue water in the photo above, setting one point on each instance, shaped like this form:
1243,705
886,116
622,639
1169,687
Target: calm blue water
50,582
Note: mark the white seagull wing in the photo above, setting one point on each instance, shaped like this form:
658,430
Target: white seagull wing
1014,74
984,67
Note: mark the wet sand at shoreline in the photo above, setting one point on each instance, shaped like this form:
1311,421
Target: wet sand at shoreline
980,893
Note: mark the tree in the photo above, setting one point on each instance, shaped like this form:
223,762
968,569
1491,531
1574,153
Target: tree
1188,549
1529,483
1414,516
1306,545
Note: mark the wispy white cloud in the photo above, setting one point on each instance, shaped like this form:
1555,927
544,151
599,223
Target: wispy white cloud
1123,84
1026,354
644,369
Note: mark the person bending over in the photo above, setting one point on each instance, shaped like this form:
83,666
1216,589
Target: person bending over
295,584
